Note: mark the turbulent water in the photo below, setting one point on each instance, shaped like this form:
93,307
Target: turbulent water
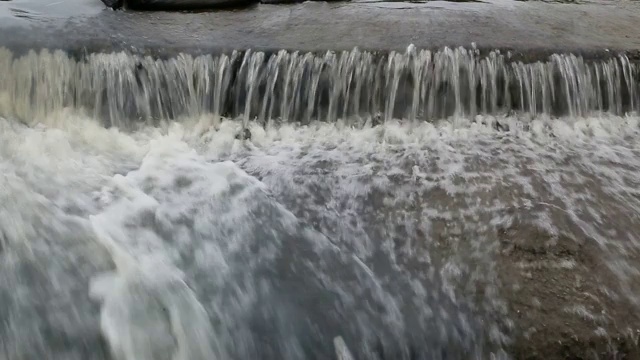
137,223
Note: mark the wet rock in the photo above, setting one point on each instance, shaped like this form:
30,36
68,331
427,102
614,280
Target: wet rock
279,1
563,310
245,134
176,4
501,126
293,1
114,4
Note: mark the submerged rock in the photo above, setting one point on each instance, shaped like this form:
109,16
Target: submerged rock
245,134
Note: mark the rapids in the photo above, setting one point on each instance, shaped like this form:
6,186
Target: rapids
135,225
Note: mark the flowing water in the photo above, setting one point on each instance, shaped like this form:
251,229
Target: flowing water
304,206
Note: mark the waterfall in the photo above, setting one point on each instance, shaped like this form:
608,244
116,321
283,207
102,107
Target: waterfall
351,86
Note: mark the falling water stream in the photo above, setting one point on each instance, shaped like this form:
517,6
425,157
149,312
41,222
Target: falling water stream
354,205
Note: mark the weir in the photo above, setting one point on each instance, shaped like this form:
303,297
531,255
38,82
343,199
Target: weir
424,204
355,86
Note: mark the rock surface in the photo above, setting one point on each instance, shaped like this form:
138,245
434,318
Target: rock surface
184,4
114,4
181,5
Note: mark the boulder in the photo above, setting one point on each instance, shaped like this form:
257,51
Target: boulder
114,4
293,1
176,4
191,4
280,1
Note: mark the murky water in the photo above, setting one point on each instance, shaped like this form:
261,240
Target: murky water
14,12
346,221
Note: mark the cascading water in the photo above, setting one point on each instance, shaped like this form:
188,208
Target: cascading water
425,205
291,87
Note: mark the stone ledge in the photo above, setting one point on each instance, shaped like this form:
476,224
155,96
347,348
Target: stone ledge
531,30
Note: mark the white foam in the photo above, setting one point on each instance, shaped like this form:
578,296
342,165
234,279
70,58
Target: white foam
133,186
342,351
148,290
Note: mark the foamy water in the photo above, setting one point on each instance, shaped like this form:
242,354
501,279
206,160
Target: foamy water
404,240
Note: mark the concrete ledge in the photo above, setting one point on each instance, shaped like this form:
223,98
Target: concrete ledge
532,30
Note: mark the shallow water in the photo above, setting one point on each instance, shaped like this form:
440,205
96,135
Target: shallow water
23,12
172,242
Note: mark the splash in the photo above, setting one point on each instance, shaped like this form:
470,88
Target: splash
412,205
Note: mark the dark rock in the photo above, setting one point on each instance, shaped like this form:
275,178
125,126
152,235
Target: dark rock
182,4
293,1
501,127
280,1
245,134
114,4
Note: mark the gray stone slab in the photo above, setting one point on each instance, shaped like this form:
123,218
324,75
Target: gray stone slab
76,25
